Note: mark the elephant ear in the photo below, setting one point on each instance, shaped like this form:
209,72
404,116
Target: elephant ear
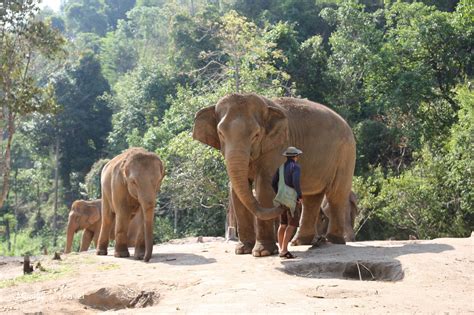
90,214
205,127
276,128
94,215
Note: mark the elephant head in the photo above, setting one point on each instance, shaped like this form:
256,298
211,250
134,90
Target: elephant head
83,215
143,172
243,128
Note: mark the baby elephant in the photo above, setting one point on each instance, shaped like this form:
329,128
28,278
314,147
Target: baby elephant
130,183
86,215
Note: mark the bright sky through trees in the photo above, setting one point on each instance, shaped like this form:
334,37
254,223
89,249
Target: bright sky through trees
53,4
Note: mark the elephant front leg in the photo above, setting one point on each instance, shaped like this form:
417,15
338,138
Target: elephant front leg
245,226
266,240
266,236
140,245
139,241
86,240
122,222
309,216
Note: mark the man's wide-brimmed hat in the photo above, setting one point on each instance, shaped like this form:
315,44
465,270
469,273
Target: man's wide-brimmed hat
292,151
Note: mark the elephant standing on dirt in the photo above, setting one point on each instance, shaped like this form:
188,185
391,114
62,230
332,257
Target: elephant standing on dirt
130,183
252,131
86,215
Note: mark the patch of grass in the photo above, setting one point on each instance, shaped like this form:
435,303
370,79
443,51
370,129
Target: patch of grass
108,267
38,276
80,259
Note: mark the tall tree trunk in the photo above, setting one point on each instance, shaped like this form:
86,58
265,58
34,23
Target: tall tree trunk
192,9
175,220
7,158
7,234
56,188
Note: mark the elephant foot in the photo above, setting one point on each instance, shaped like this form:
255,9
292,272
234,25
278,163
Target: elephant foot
243,248
146,258
318,241
123,253
101,252
302,240
138,255
262,249
335,239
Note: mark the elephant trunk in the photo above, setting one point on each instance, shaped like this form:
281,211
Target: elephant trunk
148,233
238,169
71,229
148,204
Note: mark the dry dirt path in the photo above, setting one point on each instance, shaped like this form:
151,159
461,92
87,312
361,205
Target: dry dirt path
190,277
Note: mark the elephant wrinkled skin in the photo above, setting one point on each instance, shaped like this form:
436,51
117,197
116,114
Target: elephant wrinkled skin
86,215
130,183
252,131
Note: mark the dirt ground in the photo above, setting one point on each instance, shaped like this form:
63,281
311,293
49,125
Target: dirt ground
188,276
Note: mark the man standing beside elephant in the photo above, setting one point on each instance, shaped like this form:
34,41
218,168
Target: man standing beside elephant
289,220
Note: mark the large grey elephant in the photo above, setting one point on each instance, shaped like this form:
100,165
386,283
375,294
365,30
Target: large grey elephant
252,131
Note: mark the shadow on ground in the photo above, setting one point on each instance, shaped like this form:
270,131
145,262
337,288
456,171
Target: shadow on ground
180,259
355,261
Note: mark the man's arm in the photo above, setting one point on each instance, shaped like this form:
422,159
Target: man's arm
296,181
275,180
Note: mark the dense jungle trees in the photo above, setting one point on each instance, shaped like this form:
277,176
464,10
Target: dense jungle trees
136,72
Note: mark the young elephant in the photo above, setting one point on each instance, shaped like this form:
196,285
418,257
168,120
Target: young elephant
86,215
130,183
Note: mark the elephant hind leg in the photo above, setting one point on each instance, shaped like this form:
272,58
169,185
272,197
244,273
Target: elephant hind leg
106,226
339,219
338,196
309,217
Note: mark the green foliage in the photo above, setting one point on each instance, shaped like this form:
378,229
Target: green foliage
118,52
22,244
434,197
195,184
91,186
139,103
353,44
163,230
86,16
398,71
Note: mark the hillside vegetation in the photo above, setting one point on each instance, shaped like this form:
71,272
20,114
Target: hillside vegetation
85,83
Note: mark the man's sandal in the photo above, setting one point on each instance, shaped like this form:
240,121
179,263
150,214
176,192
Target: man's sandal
287,255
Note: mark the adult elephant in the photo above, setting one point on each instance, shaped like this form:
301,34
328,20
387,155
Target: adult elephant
130,183
322,220
252,131
86,215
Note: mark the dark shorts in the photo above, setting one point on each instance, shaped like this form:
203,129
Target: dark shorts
287,219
